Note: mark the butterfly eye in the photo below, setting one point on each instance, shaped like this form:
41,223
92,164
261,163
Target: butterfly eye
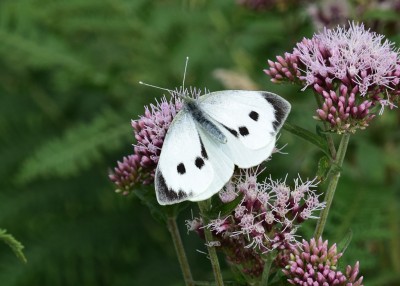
199,162
243,131
181,169
254,115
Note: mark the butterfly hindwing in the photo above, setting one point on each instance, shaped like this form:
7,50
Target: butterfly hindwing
222,164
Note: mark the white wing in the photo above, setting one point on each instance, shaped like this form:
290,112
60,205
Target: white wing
190,166
193,165
249,119
222,164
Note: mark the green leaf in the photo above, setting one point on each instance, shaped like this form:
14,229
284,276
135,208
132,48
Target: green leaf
344,243
314,139
14,244
324,165
278,278
147,196
220,209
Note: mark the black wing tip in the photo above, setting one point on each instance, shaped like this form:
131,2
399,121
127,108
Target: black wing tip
282,108
165,195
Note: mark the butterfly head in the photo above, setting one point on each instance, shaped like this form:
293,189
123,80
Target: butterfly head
187,94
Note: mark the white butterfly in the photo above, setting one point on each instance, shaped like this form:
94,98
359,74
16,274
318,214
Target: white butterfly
212,134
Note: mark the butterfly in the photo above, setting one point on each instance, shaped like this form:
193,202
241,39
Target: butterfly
211,135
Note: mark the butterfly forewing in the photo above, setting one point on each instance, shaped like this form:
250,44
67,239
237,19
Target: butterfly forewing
183,171
249,119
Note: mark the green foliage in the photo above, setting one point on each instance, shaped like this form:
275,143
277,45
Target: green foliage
78,149
310,137
220,209
14,244
68,90
161,213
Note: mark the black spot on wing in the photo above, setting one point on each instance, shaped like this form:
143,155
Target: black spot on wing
181,169
281,107
203,150
233,132
166,194
199,162
254,115
243,131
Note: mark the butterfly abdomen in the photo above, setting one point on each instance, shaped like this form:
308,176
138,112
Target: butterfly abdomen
201,118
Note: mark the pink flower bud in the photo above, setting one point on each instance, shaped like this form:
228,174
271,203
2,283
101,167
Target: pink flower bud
321,114
278,66
281,60
271,64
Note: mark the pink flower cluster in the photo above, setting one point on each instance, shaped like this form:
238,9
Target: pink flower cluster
128,173
265,4
150,130
351,70
266,218
312,263
329,13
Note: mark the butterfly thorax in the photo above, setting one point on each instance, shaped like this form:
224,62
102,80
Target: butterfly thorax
201,118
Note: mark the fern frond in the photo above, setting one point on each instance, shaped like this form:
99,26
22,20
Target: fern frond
45,54
14,244
77,149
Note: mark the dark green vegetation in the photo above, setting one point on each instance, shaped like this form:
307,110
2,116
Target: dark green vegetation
69,73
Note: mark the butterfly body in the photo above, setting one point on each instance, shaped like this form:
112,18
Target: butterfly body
201,118
212,134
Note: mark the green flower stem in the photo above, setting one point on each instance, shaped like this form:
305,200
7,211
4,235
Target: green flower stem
330,192
204,206
331,144
329,139
180,251
267,267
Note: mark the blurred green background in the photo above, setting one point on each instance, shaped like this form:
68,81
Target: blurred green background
69,73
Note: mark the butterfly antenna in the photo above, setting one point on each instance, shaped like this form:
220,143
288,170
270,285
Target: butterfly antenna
150,85
174,92
184,73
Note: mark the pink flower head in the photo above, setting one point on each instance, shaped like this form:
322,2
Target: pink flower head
271,205
228,194
352,69
149,130
313,263
266,218
196,225
128,173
